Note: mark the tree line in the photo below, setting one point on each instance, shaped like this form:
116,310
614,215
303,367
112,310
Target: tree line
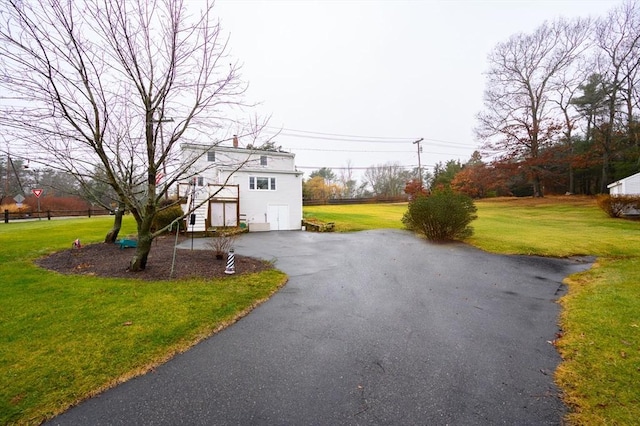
561,107
19,177
383,181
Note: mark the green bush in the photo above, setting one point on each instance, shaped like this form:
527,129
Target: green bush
444,215
167,215
618,205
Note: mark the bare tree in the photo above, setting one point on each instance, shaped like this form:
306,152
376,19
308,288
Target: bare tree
387,180
568,84
618,39
347,182
118,84
518,121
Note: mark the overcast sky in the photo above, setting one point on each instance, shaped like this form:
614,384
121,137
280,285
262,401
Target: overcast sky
389,71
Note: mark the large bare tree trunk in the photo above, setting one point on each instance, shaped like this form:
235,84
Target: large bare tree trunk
145,237
139,260
605,171
112,235
537,187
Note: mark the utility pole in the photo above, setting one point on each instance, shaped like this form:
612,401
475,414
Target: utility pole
15,171
419,164
6,180
164,166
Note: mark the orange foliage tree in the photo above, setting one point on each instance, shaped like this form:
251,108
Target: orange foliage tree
414,188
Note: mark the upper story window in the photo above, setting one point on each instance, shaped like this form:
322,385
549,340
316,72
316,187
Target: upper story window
263,160
211,156
200,181
259,183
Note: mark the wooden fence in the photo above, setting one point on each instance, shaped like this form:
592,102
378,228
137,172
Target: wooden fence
48,214
337,201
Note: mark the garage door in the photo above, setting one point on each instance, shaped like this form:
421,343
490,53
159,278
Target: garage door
278,217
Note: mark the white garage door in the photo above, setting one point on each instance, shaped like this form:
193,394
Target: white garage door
278,217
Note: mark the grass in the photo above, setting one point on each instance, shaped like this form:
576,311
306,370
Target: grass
359,217
64,338
558,227
600,372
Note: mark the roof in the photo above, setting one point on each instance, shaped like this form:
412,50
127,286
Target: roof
240,150
619,182
260,170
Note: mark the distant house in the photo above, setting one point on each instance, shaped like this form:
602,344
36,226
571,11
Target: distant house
627,186
246,187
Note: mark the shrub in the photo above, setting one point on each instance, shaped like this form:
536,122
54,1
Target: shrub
444,215
618,205
52,202
13,208
221,243
167,215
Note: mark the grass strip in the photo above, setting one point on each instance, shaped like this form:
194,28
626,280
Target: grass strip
600,372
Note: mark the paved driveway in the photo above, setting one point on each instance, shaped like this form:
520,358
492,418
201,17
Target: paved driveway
376,327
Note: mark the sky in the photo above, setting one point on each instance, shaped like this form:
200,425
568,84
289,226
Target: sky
356,82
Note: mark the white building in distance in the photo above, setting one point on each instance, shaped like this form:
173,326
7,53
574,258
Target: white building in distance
627,186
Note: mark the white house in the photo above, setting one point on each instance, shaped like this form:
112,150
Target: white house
261,189
627,186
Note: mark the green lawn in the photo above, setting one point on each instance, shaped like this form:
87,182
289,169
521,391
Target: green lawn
600,372
359,217
63,338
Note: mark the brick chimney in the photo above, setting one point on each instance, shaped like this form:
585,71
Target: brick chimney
235,141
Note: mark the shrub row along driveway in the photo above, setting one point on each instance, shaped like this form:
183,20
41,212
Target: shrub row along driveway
375,327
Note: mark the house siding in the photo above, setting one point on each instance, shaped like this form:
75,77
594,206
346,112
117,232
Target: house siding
258,207
254,204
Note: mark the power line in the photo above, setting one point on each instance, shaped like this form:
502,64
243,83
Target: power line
410,167
368,151
340,135
308,134
438,142
350,150
342,139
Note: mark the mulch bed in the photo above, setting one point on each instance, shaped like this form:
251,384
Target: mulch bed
108,260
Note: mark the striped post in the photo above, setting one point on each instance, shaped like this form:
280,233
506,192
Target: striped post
231,263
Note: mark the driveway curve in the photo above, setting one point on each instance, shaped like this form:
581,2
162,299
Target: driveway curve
376,327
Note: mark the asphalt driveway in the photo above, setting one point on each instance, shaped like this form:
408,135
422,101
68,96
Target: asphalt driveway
376,327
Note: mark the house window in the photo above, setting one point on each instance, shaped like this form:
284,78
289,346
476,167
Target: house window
259,183
211,156
263,160
200,181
